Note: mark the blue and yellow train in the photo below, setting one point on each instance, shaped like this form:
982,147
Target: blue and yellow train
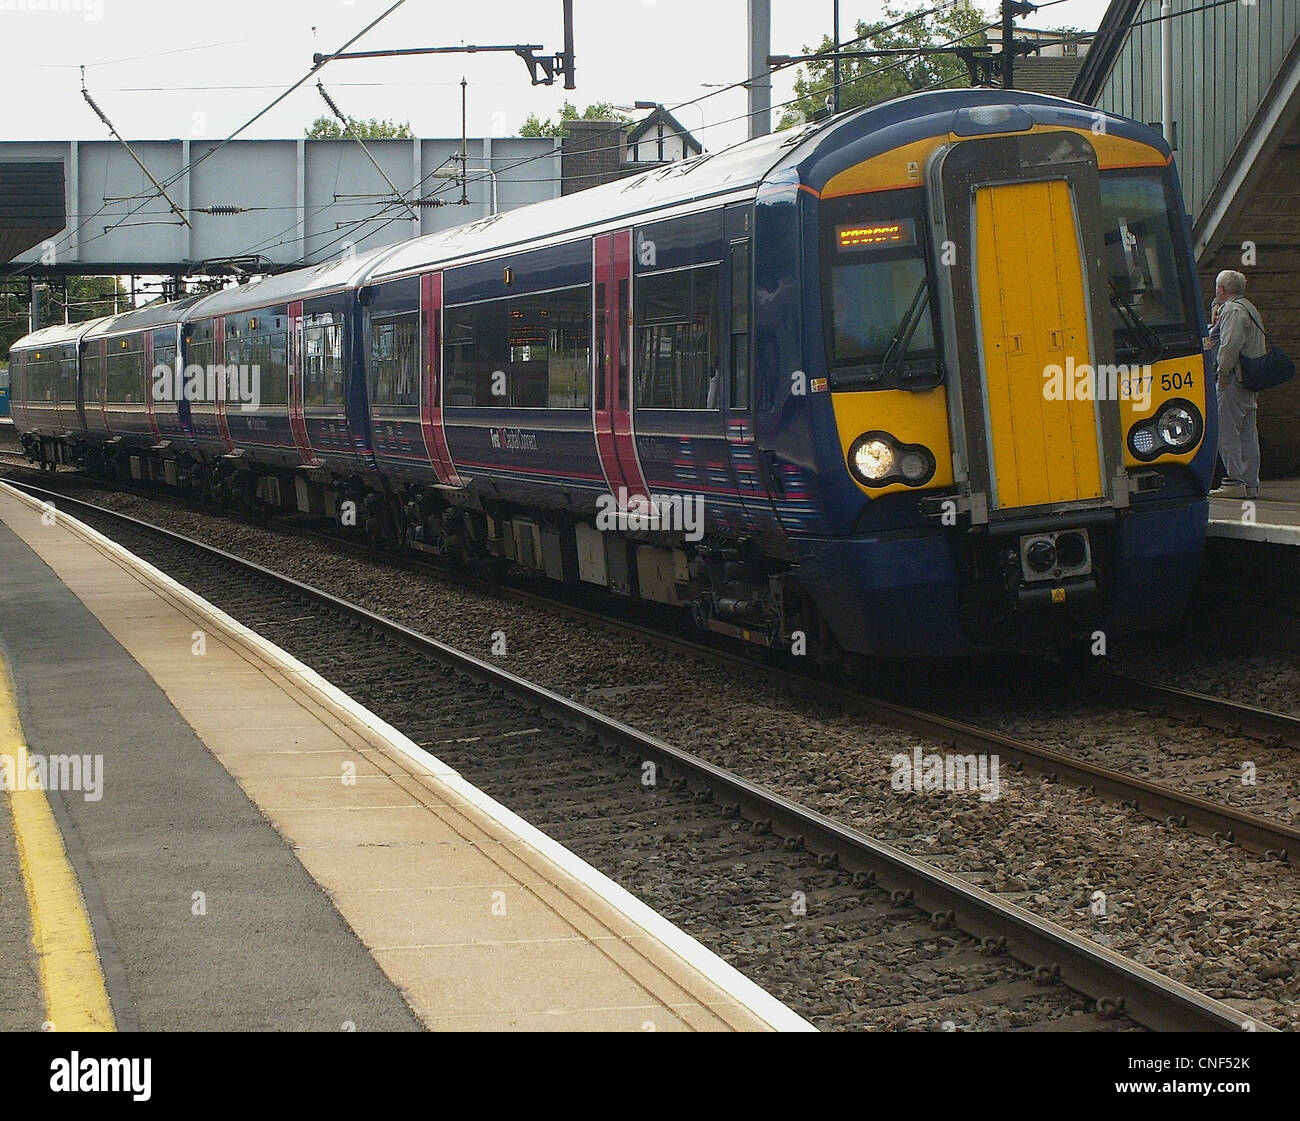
924,379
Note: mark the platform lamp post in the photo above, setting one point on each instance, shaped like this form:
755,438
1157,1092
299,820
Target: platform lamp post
464,142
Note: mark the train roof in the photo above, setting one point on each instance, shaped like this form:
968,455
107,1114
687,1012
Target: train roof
738,169
300,284
55,334
816,151
713,174
144,318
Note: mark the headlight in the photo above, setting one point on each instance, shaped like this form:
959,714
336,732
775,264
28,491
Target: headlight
877,459
1145,440
873,460
1177,428
914,466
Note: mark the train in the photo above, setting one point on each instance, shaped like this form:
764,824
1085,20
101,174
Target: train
925,379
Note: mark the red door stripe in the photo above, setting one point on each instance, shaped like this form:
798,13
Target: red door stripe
431,425
219,357
297,419
148,386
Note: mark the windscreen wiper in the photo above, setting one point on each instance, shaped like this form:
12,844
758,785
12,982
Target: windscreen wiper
895,352
1136,327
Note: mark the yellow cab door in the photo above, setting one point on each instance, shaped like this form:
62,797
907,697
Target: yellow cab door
1032,314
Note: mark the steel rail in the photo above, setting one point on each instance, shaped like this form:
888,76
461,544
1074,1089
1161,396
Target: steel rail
1115,982
1227,824
1277,729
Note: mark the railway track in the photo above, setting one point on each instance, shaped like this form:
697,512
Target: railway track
848,930
1172,807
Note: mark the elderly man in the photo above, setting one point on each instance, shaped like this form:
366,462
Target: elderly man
1241,331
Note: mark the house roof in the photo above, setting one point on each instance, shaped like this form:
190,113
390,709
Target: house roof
1047,75
669,122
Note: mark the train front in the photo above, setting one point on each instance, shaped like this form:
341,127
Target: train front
1008,392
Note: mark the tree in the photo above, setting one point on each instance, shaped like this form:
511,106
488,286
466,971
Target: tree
328,128
600,111
865,81
88,297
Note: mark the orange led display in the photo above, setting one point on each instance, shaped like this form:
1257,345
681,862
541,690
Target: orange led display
869,235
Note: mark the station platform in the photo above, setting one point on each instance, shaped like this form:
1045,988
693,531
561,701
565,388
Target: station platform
243,847
1273,517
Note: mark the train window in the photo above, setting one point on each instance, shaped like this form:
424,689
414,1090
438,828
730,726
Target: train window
622,344
164,362
739,387
677,339
1151,297
126,373
395,360
66,391
880,327
92,374
322,361
527,351
199,350
33,387
259,345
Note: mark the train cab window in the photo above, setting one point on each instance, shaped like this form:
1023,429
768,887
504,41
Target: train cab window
677,339
1153,302
880,319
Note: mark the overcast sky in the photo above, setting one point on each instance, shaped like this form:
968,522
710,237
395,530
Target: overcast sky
200,68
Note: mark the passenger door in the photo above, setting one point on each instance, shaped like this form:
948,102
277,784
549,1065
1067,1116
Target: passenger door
612,368
435,435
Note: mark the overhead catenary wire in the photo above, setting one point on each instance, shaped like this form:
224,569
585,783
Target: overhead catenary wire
347,125
192,164
912,17
130,151
617,129
382,212
379,215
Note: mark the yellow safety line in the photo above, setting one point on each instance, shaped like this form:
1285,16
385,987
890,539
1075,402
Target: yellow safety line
71,981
